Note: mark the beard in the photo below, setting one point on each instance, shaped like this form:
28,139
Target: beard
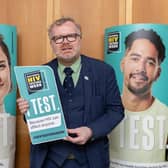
68,59
68,54
140,90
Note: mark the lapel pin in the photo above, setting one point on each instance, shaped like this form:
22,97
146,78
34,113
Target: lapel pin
86,77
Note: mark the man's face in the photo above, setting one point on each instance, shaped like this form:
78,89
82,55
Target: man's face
67,52
140,66
5,82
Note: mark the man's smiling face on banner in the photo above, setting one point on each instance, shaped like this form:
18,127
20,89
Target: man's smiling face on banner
140,66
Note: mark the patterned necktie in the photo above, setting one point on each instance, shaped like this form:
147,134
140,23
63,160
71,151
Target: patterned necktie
68,81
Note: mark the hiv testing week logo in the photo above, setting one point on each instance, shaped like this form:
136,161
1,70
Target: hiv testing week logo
113,42
35,81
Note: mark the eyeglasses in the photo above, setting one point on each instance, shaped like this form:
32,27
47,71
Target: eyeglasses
70,38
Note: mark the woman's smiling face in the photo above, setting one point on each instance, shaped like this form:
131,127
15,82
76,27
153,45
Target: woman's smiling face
5,81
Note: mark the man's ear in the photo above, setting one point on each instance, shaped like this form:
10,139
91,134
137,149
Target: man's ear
122,65
50,42
123,60
158,73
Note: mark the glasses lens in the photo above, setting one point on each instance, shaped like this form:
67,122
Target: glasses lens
69,38
72,37
58,40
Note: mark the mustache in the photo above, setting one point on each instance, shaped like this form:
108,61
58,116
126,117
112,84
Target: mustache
142,74
66,45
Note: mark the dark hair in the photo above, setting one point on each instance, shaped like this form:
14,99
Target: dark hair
5,49
150,35
61,21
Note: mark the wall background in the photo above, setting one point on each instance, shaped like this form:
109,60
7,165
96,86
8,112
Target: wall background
32,18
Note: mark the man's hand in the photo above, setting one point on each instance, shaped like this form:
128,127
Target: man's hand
80,135
23,105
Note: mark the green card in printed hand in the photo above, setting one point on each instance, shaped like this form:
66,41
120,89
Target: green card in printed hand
44,117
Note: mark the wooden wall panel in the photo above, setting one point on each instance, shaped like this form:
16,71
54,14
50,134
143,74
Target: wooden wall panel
150,11
29,16
94,16
3,15
30,20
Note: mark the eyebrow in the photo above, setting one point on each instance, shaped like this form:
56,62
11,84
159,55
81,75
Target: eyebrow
135,54
2,61
148,58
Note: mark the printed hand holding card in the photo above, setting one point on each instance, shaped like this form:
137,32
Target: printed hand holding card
45,117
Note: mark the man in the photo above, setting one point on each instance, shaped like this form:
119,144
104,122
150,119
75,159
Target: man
92,107
142,135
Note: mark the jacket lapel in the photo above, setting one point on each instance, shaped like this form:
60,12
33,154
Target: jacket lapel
87,81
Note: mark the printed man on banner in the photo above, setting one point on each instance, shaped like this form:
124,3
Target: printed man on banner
141,137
